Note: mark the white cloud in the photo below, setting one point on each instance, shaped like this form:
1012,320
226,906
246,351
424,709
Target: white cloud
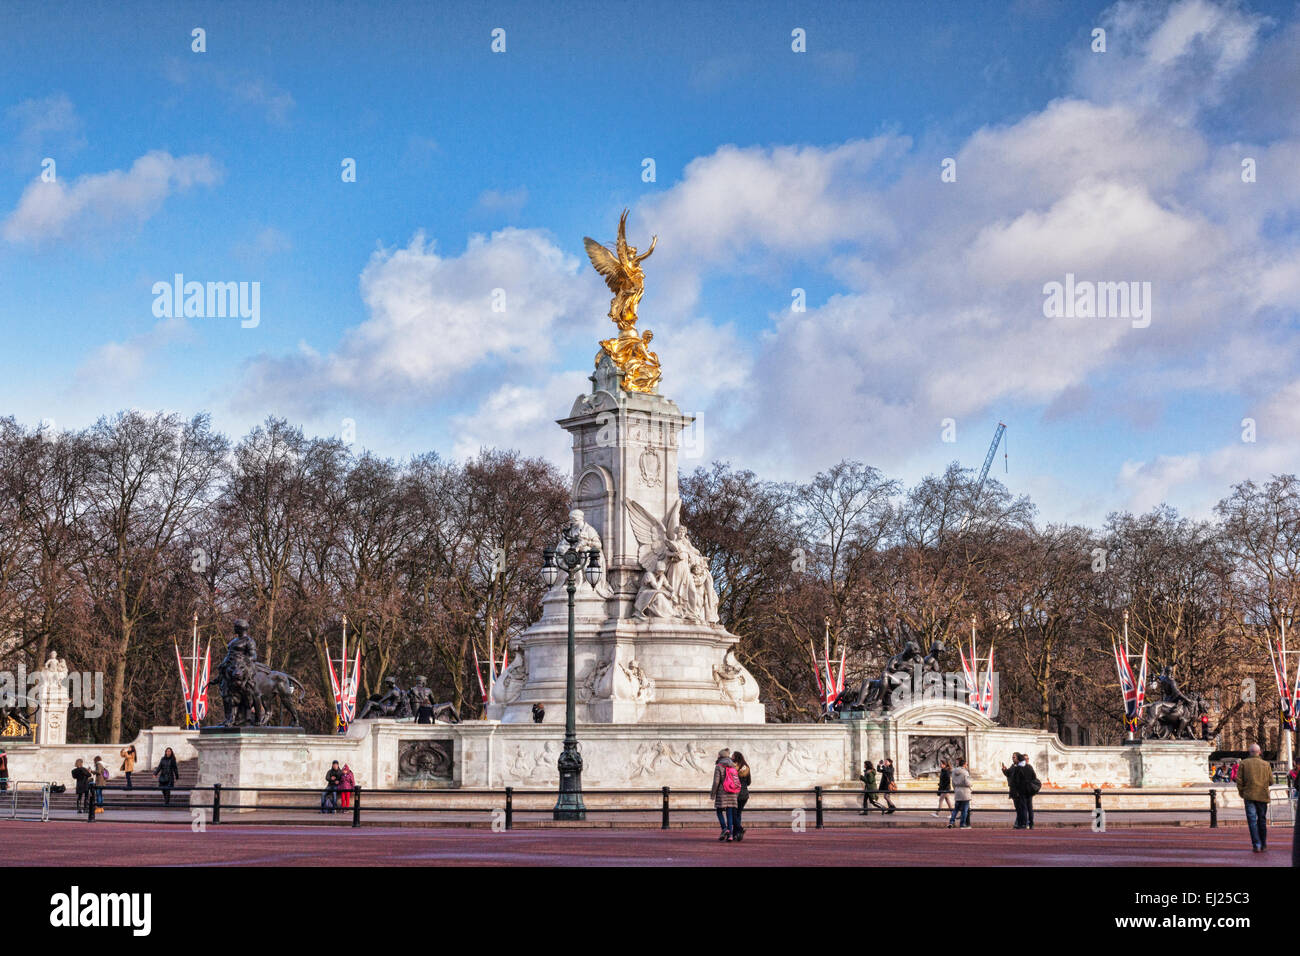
433,319
264,95
522,417
97,201
502,201
1175,60
115,363
48,126
939,311
925,298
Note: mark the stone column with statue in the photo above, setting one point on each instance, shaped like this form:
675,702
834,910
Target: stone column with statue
53,699
649,642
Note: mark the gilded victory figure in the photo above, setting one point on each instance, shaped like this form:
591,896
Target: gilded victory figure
630,351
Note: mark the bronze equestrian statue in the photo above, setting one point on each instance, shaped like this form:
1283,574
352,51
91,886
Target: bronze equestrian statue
237,680
1175,716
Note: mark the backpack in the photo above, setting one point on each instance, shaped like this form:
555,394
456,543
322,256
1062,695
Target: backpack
1033,785
730,780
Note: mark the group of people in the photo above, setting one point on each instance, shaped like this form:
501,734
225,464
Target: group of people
871,790
93,779
339,784
954,789
730,793
1225,772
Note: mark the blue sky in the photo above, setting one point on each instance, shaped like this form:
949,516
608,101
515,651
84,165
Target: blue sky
775,170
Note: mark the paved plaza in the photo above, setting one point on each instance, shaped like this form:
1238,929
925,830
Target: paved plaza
64,844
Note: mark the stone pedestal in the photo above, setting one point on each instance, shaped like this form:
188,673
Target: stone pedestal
1164,763
665,669
53,698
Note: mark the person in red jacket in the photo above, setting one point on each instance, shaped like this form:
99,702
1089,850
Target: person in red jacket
345,786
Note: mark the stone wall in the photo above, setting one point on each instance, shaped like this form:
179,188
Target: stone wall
390,754
29,761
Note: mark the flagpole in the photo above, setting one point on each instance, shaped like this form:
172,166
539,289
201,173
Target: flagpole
1288,735
1127,722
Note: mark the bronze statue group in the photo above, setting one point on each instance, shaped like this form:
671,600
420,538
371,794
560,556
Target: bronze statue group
249,687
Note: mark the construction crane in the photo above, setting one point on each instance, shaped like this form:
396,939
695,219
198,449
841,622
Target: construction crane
988,459
984,473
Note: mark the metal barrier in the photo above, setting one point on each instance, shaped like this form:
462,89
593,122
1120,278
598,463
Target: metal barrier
686,804
37,789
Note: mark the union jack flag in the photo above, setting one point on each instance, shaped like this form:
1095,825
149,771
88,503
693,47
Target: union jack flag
968,672
986,698
185,689
345,690
829,689
200,707
1132,685
194,686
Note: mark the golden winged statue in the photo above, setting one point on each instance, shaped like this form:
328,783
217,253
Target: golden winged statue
622,271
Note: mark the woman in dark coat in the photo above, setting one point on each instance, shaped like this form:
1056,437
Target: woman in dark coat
742,798
724,802
167,772
887,785
945,786
82,776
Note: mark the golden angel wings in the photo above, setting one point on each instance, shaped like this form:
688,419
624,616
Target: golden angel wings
622,271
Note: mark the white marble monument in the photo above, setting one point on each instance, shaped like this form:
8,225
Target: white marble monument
649,645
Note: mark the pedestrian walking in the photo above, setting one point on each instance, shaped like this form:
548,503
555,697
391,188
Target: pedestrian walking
101,777
725,794
1253,780
167,771
869,797
83,777
746,777
348,782
1293,784
887,785
1232,772
4,770
329,800
961,794
128,762
945,787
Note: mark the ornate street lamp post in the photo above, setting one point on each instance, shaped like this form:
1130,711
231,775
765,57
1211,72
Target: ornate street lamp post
571,562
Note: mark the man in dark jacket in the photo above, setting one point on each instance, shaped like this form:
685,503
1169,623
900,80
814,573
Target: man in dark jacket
1022,784
329,802
1253,780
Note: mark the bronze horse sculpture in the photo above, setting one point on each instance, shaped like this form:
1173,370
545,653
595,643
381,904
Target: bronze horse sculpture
1173,717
